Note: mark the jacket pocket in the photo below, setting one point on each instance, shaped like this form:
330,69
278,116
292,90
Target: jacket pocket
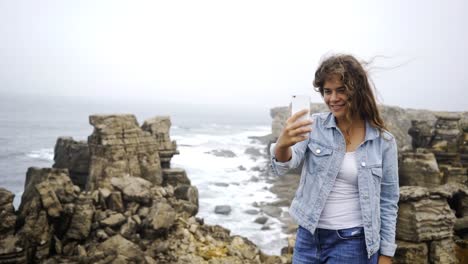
319,157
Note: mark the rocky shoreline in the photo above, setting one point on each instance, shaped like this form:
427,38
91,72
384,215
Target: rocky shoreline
115,199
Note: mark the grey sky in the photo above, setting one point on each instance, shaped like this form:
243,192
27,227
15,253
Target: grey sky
241,53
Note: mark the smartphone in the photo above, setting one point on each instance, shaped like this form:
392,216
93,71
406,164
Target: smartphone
299,103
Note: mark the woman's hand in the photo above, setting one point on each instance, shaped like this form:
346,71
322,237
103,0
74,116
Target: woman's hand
292,133
385,259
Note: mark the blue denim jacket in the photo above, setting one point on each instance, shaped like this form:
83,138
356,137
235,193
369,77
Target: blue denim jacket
323,155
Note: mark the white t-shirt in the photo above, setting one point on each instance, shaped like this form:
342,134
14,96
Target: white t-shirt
342,209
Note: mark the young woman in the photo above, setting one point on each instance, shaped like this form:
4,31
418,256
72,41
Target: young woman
347,200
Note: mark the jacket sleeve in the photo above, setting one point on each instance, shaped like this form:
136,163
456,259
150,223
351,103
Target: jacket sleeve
389,196
298,150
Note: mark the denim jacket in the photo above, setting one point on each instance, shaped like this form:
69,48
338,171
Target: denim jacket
323,154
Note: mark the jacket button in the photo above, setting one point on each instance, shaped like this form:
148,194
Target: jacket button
318,151
363,164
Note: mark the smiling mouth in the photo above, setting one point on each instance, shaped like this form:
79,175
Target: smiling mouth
337,107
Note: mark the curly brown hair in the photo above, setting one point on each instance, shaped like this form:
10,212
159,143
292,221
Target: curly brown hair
358,85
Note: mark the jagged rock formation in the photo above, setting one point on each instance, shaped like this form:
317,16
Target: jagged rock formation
433,195
74,156
119,147
131,211
159,127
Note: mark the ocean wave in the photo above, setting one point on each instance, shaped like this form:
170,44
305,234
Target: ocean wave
42,154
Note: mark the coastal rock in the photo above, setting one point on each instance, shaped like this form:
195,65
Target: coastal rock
125,248
223,209
225,153
159,128
54,180
161,216
188,193
74,156
115,202
421,132
134,189
261,220
419,169
82,218
118,147
113,220
443,252
175,177
272,211
7,213
424,220
447,133
407,252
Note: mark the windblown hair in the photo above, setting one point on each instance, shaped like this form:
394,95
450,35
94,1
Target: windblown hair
358,87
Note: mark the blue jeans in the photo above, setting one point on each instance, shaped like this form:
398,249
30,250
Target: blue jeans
332,246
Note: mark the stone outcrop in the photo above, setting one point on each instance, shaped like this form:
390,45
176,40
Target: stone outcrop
425,217
159,127
119,147
74,156
431,227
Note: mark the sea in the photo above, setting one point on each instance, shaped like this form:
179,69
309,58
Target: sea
30,126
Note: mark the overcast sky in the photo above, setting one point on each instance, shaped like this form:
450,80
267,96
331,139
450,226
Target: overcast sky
240,53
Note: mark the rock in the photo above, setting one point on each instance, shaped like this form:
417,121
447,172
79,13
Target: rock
447,133
50,180
419,169
81,221
188,193
272,211
221,184
113,220
175,177
254,153
134,189
261,220
241,168
74,156
129,228
407,252
118,146
225,153
115,203
7,213
421,132
159,128
121,245
49,199
251,211
223,209
442,252
424,220
243,248
161,216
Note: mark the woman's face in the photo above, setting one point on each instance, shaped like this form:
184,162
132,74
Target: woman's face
334,95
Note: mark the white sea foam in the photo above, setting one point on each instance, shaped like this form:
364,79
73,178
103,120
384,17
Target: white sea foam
42,154
207,170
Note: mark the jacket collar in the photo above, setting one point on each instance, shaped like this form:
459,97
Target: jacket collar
371,132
